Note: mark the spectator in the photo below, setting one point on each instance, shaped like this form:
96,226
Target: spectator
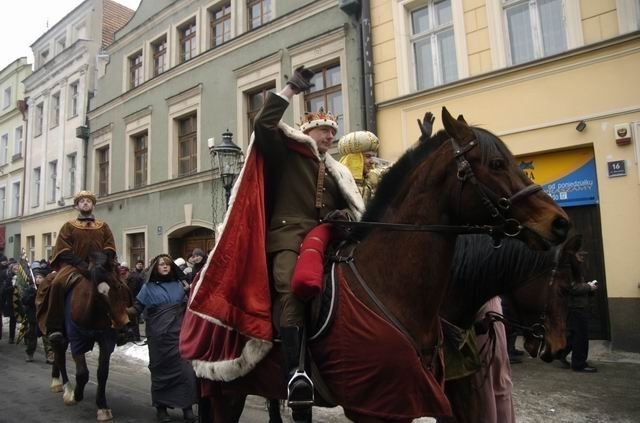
9,308
197,260
163,299
4,265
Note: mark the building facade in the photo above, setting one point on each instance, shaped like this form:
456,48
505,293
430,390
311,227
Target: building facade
58,92
557,81
180,74
13,129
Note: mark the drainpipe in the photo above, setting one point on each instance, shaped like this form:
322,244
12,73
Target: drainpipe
367,68
23,107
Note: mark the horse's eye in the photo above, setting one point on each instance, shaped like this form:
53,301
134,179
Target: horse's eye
496,164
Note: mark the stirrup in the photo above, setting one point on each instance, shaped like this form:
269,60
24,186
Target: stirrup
300,390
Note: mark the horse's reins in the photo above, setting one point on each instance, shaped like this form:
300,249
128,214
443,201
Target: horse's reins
509,227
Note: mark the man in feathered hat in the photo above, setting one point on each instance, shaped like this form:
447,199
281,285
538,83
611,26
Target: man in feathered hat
76,241
302,186
359,151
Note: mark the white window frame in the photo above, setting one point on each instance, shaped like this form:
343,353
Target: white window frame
36,185
38,119
16,196
61,43
7,95
135,125
52,170
31,247
98,142
498,38
4,149
55,120
206,17
3,201
74,99
71,174
126,67
148,58
179,106
135,231
405,62
175,57
628,15
18,141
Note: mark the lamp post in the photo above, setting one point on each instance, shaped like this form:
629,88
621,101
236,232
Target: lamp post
229,159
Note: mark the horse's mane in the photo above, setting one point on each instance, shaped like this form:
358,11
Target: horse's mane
477,264
490,146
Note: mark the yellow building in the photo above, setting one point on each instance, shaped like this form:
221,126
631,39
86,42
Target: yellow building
559,82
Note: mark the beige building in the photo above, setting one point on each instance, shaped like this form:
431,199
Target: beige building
558,81
13,128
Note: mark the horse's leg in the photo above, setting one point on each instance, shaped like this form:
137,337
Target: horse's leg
104,413
59,377
273,405
361,418
226,408
82,376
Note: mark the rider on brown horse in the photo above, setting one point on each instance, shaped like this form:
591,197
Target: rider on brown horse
77,240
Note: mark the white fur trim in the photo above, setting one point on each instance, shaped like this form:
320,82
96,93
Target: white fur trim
253,351
319,122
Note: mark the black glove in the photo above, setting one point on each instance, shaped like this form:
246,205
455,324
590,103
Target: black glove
426,126
301,79
337,215
98,273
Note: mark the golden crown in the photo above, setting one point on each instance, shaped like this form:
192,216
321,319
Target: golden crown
312,120
84,194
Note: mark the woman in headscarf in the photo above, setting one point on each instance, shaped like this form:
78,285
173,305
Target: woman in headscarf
163,298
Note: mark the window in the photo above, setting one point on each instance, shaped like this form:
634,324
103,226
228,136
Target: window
159,48
255,100
135,70
258,13
61,44
47,247
6,98
103,171
327,93
53,183
136,247
140,160
535,29
4,149
79,31
17,141
433,44
38,119
55,110
74,98
15,201
44,56
188,41
3,201
31,248
187,145
35,199
71,174
220,25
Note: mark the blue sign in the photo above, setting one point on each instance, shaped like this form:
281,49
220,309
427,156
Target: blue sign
578,188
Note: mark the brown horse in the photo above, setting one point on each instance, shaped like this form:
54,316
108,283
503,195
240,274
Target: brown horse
462,176
93,314
535,284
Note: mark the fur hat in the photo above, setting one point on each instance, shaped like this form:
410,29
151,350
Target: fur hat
197,252
84,194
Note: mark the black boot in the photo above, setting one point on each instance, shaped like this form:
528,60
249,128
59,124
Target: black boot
188,415
300,389
162,416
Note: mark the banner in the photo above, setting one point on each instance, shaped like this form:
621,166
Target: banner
569,177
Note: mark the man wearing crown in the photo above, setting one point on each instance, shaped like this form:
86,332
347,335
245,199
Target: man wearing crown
289,184
76,241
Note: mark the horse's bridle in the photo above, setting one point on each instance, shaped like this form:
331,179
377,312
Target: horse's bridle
497,208
497,205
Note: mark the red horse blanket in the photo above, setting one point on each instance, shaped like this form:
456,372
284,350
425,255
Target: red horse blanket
369,366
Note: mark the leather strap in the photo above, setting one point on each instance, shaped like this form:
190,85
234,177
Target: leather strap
320,185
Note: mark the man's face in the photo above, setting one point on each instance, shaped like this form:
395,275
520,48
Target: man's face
139,266
39,279
85,206
369,159
323,136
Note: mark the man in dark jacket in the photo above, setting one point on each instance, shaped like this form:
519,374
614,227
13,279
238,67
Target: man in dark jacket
578,319
303,186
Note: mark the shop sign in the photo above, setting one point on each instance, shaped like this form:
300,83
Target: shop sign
569,177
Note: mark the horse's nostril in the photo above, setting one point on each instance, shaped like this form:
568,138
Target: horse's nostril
560,228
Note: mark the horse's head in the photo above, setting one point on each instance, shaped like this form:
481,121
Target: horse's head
544,303
487,185
111,289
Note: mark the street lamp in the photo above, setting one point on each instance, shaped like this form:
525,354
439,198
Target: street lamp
229,157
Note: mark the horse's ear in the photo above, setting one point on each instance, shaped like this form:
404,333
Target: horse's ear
461,119
457,129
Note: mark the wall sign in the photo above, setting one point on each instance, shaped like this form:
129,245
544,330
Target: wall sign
617,168
569,177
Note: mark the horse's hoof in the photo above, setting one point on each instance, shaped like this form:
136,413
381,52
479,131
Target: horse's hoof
68,397
104,415
56,385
